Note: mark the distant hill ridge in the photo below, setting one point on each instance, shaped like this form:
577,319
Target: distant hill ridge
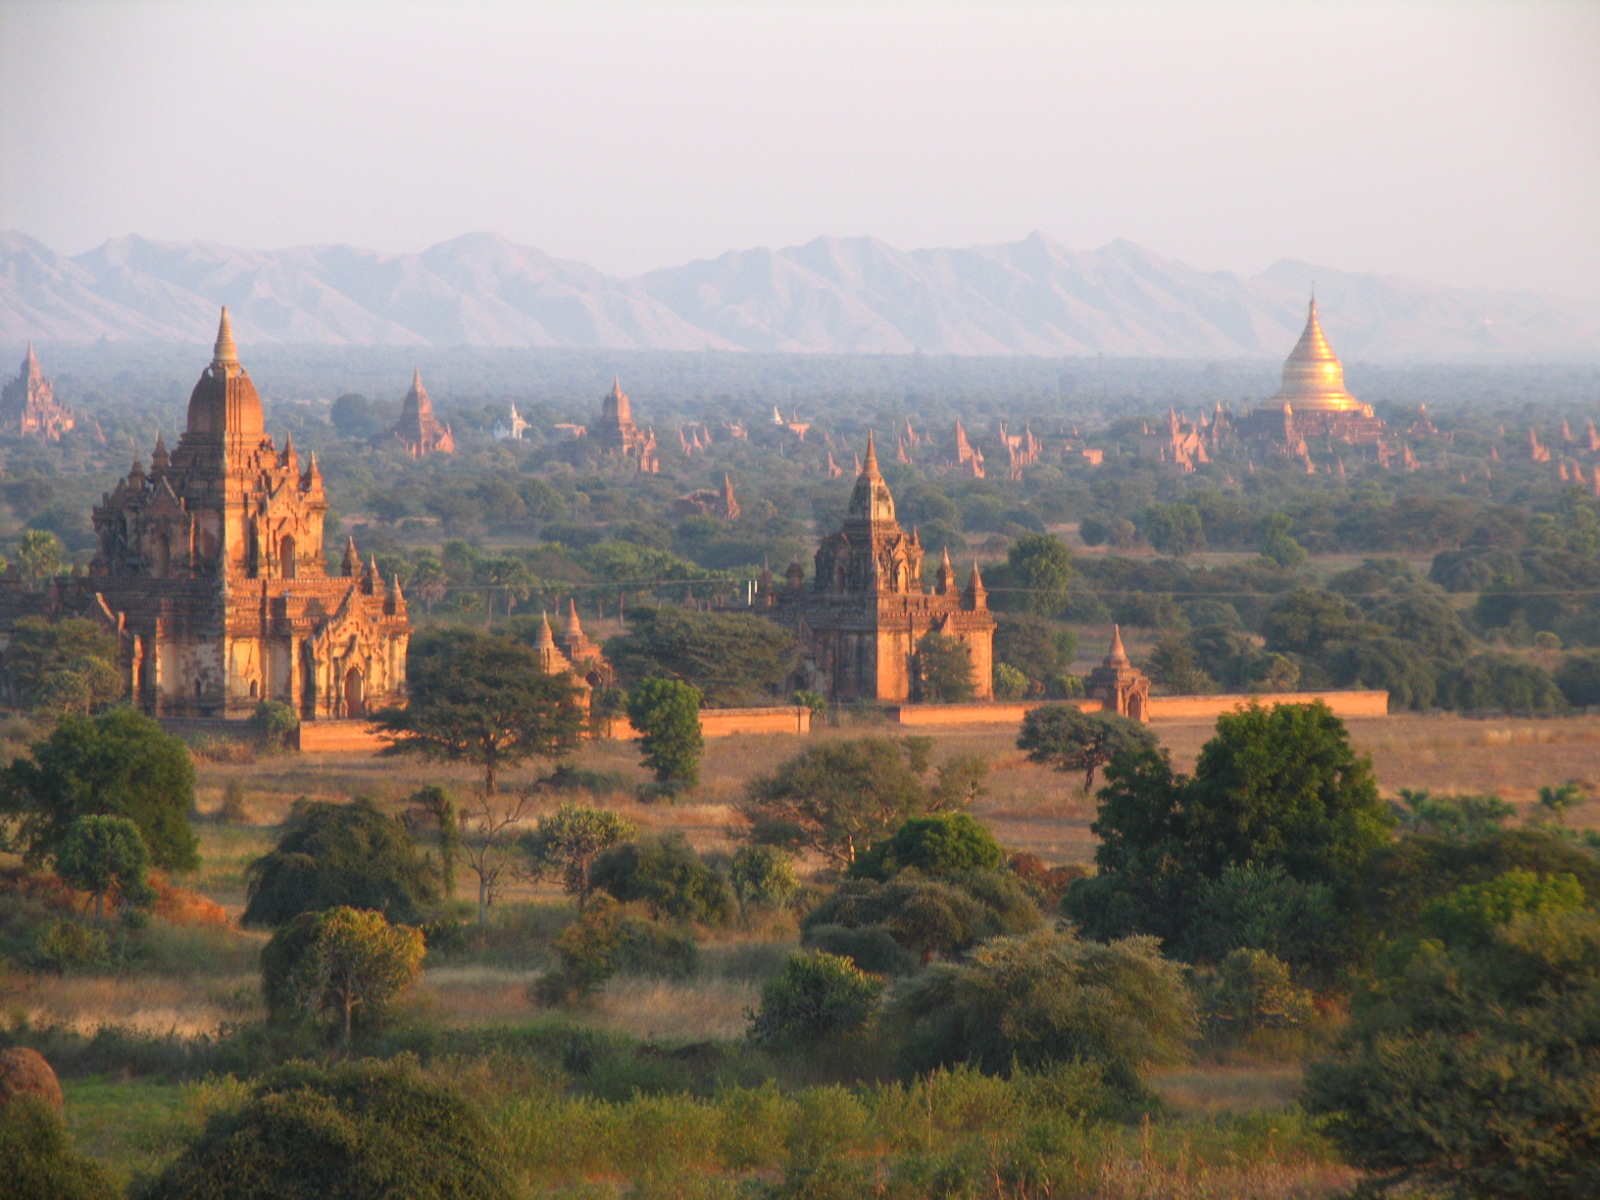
831,295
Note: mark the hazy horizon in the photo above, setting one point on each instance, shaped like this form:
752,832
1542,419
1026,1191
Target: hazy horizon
1457,143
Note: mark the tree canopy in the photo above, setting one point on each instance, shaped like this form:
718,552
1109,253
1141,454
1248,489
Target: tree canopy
342,965
837,798
339,855
569,841
944,670
361,1128
1278,787
666,712
1046,997
484,700
118,764
731,658
1065,738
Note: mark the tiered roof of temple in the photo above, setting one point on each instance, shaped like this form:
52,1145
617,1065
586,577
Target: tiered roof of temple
28,406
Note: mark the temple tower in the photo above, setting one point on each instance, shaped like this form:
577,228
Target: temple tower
1118,684
28,405
860,621
418,430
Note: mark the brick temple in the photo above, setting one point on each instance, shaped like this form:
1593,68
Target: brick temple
211,573
859,622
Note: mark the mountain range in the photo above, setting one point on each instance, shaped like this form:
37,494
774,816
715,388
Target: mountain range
831,295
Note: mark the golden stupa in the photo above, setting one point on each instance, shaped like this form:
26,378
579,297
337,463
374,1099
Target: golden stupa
1313,378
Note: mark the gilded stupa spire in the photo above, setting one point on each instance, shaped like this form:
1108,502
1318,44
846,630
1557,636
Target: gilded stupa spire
1313,376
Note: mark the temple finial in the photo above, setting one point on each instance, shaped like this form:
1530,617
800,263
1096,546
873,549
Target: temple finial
1118,655
872,453
226,352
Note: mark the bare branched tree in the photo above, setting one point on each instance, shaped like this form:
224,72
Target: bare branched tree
488,844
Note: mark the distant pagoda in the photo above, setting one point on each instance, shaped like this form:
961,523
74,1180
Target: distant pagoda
28,405
1312,401
418,430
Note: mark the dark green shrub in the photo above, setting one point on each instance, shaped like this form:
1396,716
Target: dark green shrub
930,917
340,855
1047,998
666,875
69,947
38,1160
815,998
1248,991
356,1129
1579,679
763,877
873,948
1469,1070
938,845
607,941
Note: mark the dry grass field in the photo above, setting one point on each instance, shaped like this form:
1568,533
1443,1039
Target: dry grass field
1030,810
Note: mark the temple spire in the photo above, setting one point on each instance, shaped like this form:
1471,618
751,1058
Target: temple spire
546,639
226,353
975,595
350,564
1117,656
572,628
871,465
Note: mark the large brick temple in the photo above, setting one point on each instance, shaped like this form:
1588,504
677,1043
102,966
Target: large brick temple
211,572
859,622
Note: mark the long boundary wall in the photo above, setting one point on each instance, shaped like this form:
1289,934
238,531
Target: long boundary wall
1162,708
726,722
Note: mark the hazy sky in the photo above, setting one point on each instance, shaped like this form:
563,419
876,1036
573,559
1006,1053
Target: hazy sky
1452,141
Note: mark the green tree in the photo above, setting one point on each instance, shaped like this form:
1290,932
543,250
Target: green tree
1043,998
38,556
38,1160
1278,787
101,853
1469,1068
119,764
1174,665
928,916
353,1129
815,998
1278,544
483,700
569,841
763,876
666,875
941,844
1473,911
340,964
943,670
1174,529
1064,738
731,658
1579,679
1305,622
339,856
1251,990
1031,645
63,666
1040,567
1009,682
666,713
837,798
